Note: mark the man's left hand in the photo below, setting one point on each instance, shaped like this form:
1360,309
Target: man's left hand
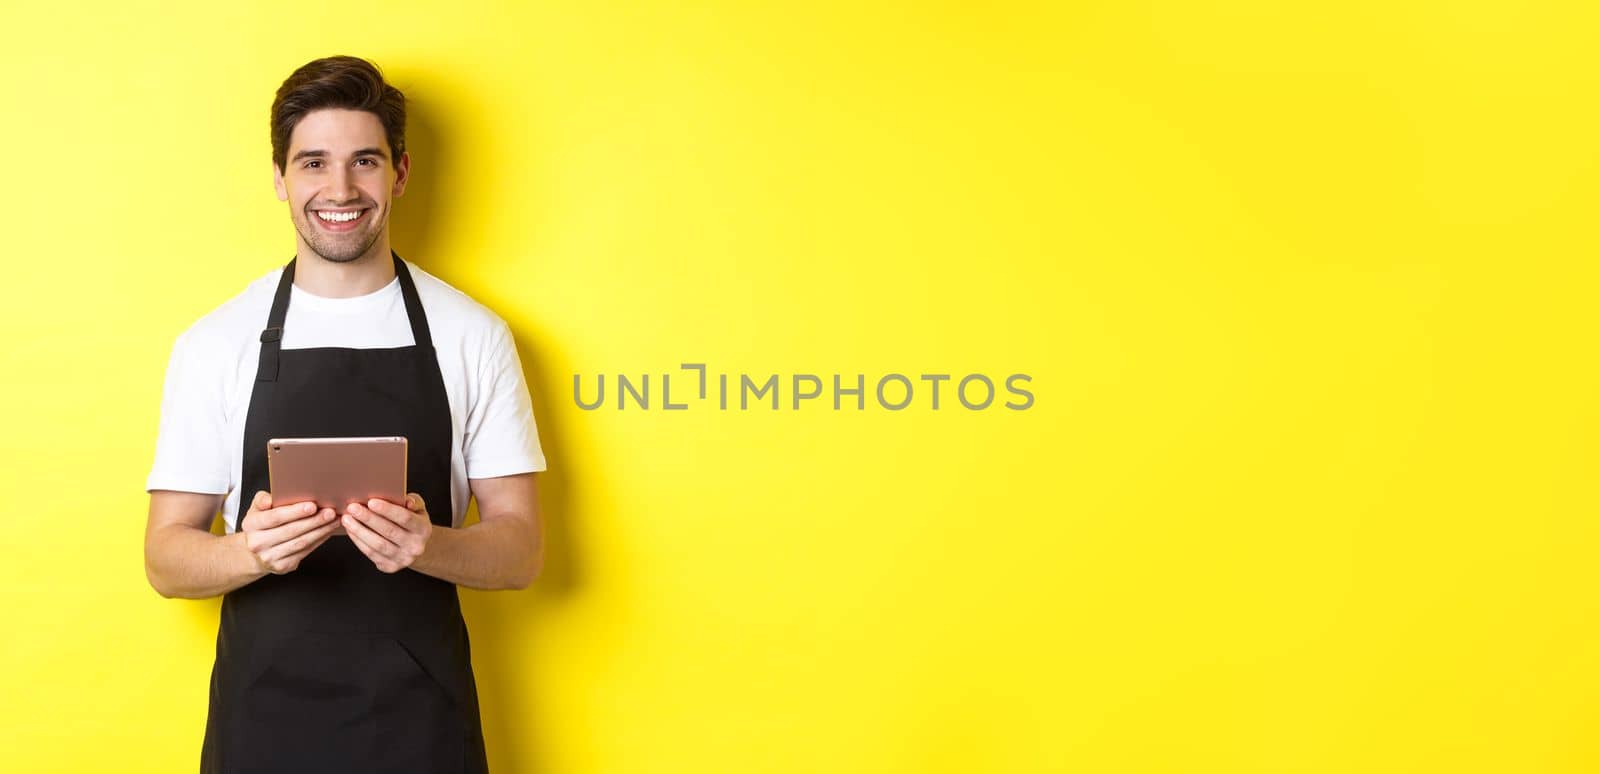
391,535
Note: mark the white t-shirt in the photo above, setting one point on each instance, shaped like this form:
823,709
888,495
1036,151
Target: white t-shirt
213,371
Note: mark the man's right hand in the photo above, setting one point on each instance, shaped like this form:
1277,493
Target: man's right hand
280,537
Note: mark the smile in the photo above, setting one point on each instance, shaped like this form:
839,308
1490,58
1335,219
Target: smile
340,220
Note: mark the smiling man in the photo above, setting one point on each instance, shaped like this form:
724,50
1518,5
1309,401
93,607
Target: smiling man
341,646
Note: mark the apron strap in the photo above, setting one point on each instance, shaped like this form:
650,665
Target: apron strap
272,336
408,290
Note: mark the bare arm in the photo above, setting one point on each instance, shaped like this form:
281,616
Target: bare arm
504,550
183,559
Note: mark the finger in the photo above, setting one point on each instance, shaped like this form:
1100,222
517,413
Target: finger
260,502
396,514
383,525
292,561
371,555
286,532
414,502
272,517
298,526
296,549
370,542
333,529
283,514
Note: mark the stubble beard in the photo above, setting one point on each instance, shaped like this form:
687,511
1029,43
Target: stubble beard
335,249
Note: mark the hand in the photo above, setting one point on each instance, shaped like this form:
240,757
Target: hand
278,538
392,536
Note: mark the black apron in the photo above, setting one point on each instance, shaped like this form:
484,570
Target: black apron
338,666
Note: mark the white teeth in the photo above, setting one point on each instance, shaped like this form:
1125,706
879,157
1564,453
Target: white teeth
339,217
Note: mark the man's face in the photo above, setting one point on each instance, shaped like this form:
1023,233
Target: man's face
339,182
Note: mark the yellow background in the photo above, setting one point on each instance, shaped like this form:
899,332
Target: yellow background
1305,291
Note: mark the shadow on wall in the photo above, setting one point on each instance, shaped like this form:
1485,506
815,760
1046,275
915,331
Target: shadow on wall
503,625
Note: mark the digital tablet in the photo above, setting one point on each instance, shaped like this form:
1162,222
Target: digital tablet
335,472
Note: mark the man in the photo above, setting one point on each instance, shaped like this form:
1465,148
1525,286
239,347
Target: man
341,646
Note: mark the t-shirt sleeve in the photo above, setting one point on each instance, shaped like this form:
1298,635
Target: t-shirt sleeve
500,437
190,445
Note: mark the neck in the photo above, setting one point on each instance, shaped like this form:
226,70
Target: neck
330,279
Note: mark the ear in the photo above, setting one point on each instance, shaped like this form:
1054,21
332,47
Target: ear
402,174
277,182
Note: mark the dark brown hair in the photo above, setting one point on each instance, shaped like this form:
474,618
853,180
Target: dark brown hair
345,82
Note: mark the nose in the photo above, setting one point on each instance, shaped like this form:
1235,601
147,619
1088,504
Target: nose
341,187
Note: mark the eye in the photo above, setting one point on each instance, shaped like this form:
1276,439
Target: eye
370,162
312,163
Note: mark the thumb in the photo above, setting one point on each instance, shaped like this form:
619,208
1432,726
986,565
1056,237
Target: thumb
262,501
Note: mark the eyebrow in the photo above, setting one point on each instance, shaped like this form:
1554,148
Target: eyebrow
318,153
